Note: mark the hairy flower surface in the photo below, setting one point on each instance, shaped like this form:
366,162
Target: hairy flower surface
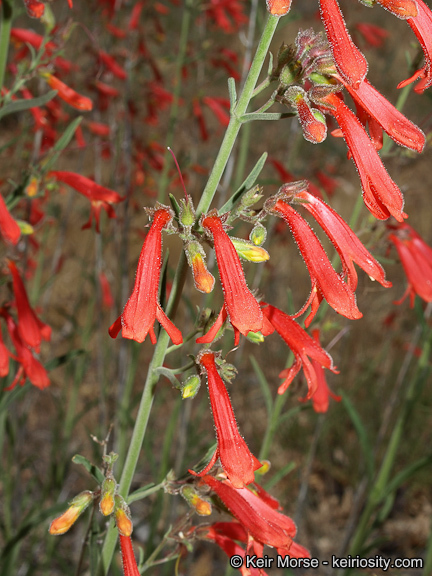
380,194
350,62
261,521
326,282
240,305
143,308
302,346
348,246
130,567
235,457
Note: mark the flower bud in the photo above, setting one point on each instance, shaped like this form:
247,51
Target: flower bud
249,251
122,516
278,7
106,505
258,234
191,387
266,465
312,120
204,281
197,502
76,507
187,213
32,187
255,337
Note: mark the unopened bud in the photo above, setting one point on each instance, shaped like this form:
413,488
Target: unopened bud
187,213
312,121
32,187
204,281
191,387
278,7
251,197
197,502
106,504
122,517
258,234
76,507
25,227
255,337
249,251
264,468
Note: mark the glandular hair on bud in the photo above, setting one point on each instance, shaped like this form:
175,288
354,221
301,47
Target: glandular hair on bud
196,501
76,507
122,517
258,234
191,387
249,251
106,504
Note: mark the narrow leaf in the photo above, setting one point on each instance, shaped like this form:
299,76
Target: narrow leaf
232,93
91,468
361,433
26,103
246,185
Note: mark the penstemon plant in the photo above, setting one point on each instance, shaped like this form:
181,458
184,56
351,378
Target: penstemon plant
308,82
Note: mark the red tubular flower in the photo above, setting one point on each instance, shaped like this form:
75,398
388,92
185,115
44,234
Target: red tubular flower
9,229
30,367
35,9
99,196
235,457
143,308
225,534
312,120
399,128
421,25
130,567
67,94
380,194
112,65
348,246
218,106
350,62
31,330
302,346
240,305
416,258
262,522
321,396
326,282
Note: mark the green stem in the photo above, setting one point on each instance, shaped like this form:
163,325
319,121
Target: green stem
184,34
6,25
240,109
163,339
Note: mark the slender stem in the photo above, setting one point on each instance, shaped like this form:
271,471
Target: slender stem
240,109
163,339
6,25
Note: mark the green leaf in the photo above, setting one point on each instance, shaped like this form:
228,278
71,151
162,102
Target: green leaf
61,144
174,204
362,435
270,66
246,185
232,93
143,492
405,474
91,468
26,103
252,116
